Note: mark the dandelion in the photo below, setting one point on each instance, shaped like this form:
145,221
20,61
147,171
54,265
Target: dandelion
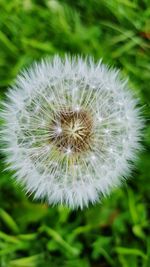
71,130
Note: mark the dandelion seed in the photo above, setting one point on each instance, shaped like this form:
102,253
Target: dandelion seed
100,118
71,130
106,131
58,130
77,108
68,150
93,157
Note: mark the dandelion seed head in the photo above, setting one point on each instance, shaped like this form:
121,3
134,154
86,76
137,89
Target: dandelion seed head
71,130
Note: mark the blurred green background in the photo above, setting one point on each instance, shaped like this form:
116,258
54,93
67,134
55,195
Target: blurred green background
116,232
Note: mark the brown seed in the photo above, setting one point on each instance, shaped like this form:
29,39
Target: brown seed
76,129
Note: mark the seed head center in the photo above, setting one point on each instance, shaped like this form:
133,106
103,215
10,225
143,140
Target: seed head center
76,130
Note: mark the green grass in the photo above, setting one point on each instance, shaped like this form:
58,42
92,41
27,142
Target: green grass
115,232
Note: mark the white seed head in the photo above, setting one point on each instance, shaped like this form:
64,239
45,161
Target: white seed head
71,130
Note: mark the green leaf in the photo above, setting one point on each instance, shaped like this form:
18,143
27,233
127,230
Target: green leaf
57,237
131,251
32,261
9,221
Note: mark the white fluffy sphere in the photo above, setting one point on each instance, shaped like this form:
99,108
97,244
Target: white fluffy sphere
71,130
